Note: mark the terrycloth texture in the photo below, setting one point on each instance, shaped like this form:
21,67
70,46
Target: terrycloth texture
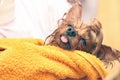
29,59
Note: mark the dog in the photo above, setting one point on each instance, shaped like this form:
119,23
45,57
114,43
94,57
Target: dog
73,34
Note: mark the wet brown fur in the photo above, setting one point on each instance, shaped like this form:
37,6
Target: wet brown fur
91,32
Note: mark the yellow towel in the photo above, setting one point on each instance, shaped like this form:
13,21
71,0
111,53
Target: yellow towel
29,59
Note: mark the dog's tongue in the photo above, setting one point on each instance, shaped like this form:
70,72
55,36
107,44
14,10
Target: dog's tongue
64,39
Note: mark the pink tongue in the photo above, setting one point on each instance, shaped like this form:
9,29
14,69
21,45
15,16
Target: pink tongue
64,39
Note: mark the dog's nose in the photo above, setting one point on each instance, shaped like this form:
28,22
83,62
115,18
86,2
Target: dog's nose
71,32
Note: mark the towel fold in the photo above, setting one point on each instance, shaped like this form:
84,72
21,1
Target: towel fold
30,59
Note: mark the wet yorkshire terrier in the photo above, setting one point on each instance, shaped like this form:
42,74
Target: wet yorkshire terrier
73,34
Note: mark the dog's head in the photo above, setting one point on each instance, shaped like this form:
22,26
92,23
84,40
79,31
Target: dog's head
72,33
66,35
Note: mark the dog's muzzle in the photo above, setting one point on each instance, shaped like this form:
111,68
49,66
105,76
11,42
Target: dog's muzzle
71,32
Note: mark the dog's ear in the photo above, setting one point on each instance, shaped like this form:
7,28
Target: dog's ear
74,14
96,28
108,54
95,24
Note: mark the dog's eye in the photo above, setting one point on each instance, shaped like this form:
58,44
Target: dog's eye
84,43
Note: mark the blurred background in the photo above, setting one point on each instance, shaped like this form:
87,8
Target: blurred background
109,15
